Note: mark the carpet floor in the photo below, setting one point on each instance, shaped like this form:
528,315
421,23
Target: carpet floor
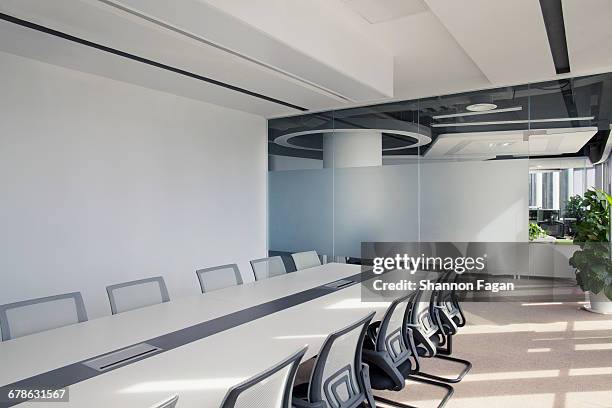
527,355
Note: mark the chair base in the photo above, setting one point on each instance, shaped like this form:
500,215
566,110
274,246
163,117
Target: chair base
392,403
449,393
467,368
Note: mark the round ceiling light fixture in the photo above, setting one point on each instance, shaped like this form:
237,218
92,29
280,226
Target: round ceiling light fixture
481,107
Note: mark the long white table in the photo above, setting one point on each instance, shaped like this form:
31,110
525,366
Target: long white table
200,371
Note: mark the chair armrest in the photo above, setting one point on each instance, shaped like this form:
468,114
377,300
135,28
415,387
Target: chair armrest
447,324
382,361
421,340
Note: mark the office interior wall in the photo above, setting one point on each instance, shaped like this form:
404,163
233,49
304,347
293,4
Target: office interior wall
104,182
426,201
484,201
300,212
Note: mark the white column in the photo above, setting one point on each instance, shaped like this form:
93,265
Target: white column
352,149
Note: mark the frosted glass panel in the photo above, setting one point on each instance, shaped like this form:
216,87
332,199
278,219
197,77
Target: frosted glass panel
378,203
300,210
474,201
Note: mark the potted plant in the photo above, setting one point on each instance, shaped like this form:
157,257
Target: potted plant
535,231
537,234
592,262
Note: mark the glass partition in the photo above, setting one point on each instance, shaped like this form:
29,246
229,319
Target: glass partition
497,165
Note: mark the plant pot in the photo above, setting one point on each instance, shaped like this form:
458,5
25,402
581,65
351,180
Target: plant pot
599,303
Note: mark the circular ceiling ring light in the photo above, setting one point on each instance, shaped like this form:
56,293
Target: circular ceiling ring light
414,134
414,139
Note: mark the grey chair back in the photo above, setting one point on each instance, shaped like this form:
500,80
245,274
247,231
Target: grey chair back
136,294
268,267
391,336
308,259
168,403
36,315
270,389
339,378
422,313
219,277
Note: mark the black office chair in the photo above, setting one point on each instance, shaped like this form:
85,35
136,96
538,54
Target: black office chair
391,354
339,378
432,328
554,228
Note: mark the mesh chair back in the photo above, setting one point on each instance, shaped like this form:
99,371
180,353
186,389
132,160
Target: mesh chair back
36,315
337,377
304,260
270,389
136,294
448,301
219,277
422,312
391,336
169,403
268,267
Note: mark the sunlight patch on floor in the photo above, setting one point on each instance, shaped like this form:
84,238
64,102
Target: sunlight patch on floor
597,346
516,327
588,399
523,401
512,375
590,371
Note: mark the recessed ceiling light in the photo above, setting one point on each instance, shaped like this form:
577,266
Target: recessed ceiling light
481,107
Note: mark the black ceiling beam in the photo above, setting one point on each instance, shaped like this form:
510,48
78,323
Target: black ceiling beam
87,43
552,11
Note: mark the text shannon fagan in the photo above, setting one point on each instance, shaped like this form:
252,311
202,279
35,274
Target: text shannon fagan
412,264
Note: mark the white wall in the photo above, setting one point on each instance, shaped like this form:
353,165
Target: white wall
103,182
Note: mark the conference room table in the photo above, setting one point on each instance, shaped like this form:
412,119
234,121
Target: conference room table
290,312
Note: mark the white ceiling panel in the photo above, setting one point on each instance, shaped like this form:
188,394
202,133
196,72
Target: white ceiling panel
505,143
428,60
98,22
506,39
32,44
320,29
588,29
378,11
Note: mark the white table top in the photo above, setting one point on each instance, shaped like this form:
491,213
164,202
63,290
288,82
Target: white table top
37,353
202,371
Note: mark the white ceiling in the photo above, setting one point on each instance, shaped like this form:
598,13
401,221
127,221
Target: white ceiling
318,54
379,11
